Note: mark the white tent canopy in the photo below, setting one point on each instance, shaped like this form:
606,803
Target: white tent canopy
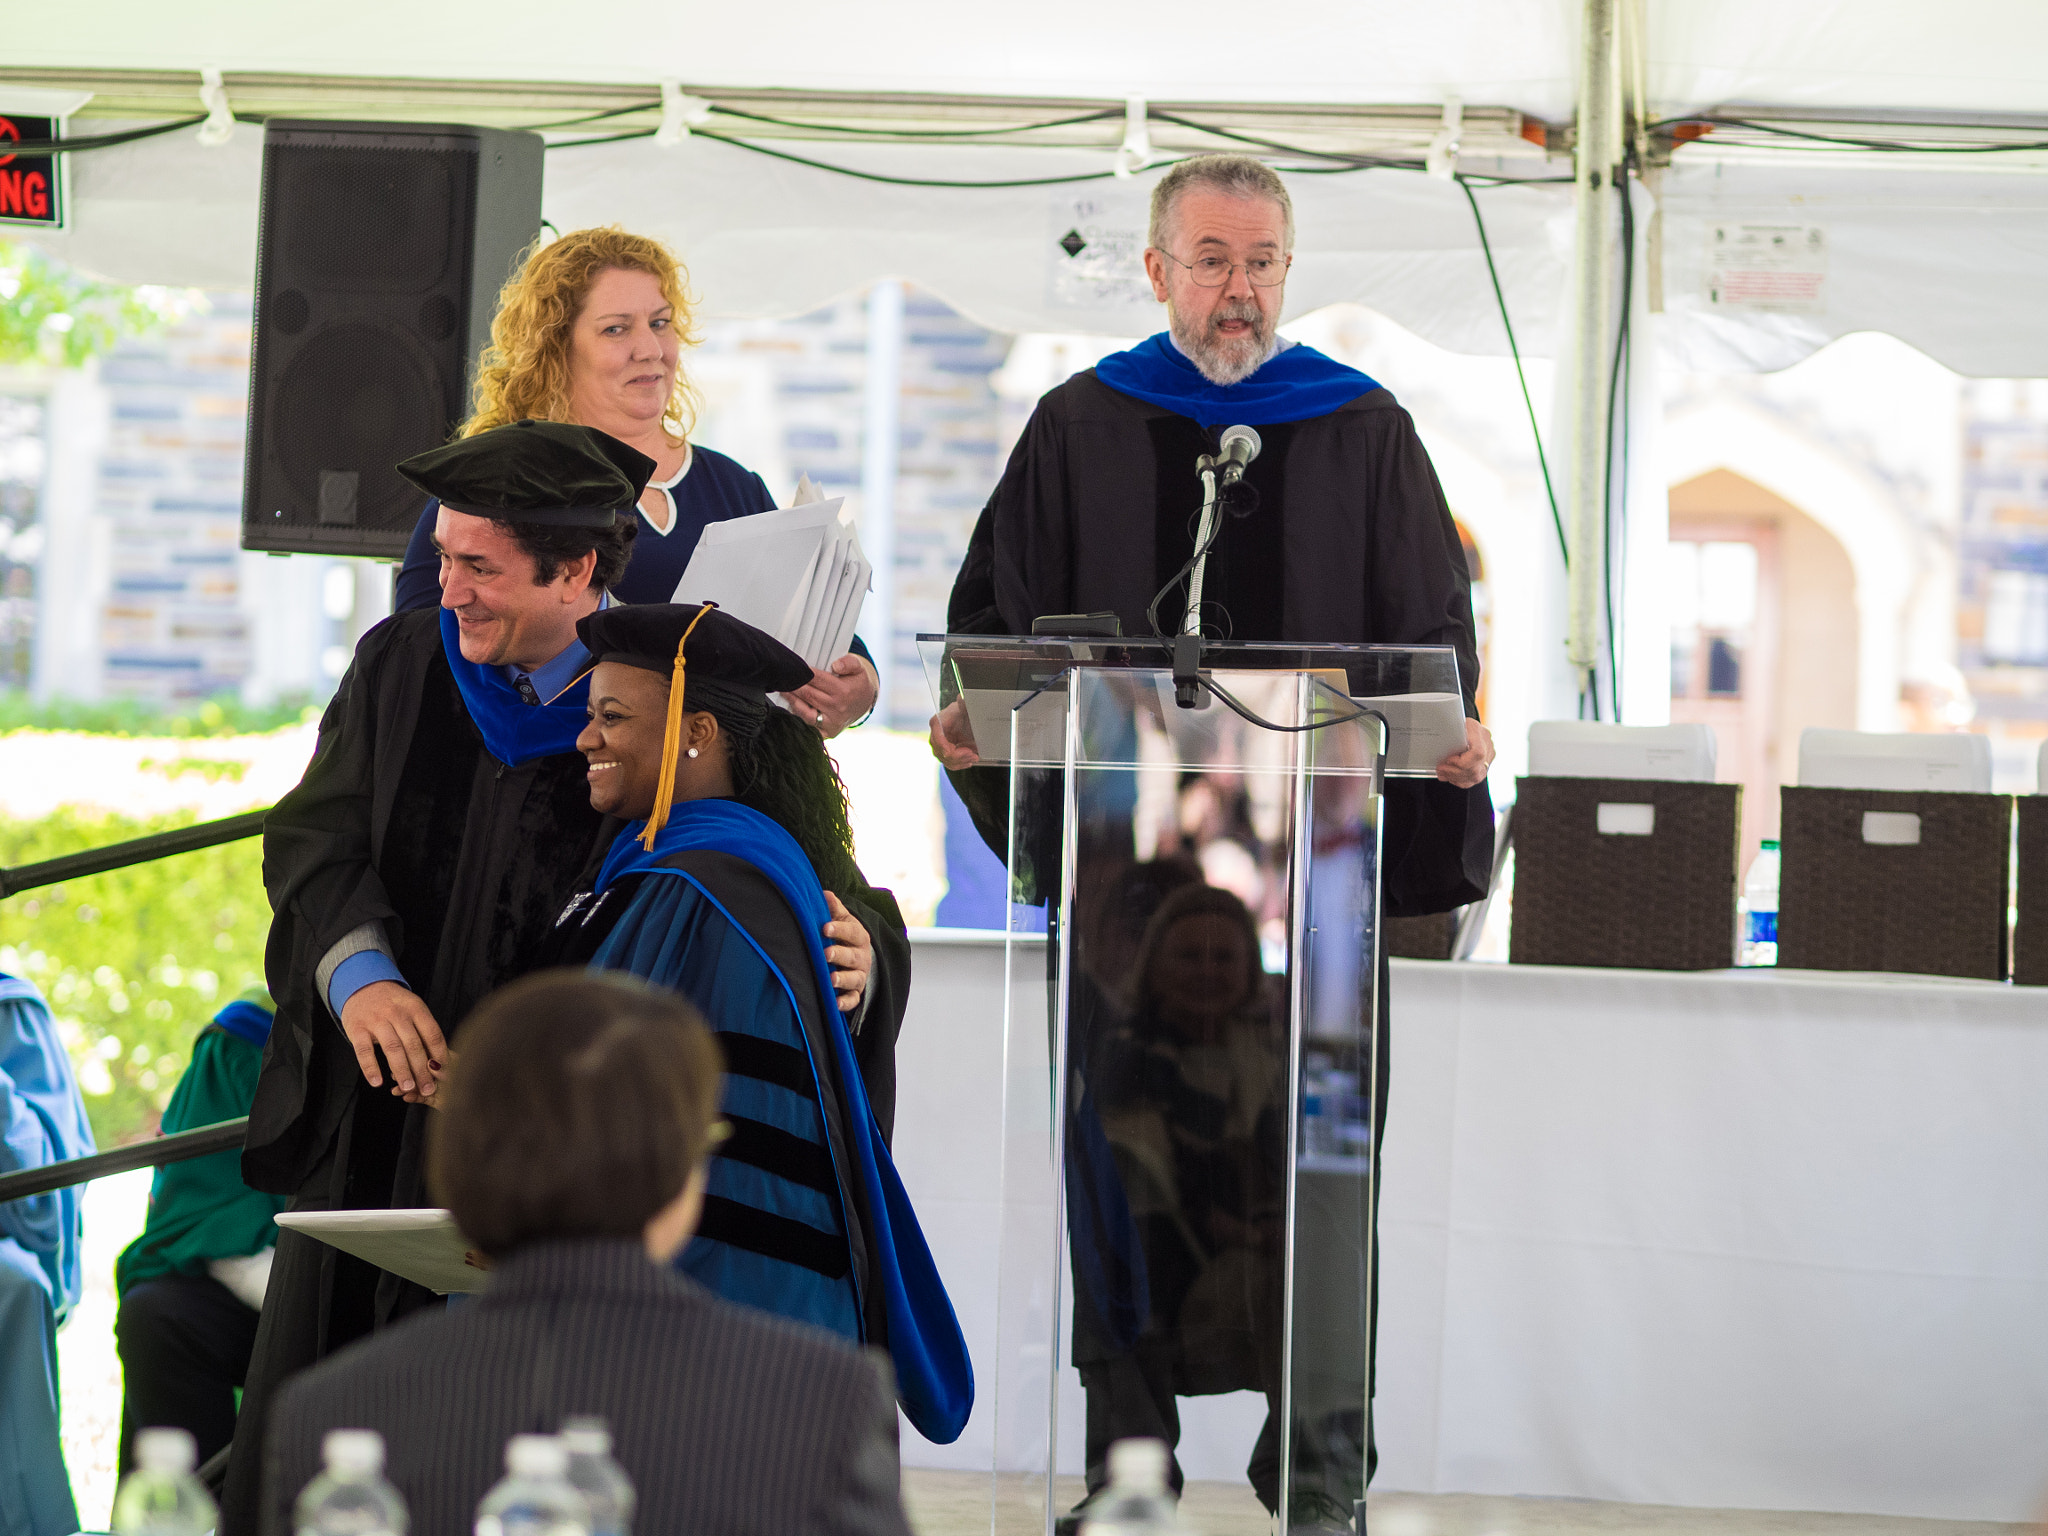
1976,55
1944,251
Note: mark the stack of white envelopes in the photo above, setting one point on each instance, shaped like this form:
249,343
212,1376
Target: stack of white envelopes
798,573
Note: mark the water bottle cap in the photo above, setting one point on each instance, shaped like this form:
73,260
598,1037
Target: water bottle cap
353,1450
1138,1464
536,1456
165,1450
1770,842
587,1437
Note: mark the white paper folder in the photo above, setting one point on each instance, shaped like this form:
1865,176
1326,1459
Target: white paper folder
797,573
423,1246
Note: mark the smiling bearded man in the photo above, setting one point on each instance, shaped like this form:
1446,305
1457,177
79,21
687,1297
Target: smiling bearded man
419,864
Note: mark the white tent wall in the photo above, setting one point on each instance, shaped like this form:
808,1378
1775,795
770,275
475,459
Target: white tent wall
1977,55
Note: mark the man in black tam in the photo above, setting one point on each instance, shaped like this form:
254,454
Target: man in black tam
422,860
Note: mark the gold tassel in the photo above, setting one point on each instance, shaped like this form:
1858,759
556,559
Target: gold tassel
672,738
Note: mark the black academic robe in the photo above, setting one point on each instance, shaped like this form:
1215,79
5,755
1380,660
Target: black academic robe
1350,543
403,818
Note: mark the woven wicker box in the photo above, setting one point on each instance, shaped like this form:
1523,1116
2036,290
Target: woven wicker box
1934,908
1662,902
2030,933
1420,938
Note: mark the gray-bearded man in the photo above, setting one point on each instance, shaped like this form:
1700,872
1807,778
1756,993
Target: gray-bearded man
1349,541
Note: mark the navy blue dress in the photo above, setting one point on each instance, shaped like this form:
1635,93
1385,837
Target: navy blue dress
804,1215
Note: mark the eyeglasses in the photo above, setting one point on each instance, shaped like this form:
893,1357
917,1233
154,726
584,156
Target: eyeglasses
1214,271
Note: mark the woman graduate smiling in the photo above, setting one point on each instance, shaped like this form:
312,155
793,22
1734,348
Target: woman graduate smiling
714,890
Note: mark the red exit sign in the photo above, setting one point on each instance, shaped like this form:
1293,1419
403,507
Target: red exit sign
30,189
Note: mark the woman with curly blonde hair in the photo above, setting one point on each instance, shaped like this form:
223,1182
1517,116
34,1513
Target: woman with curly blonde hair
590,330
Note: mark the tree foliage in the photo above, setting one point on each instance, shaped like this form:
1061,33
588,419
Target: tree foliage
135,961
51,314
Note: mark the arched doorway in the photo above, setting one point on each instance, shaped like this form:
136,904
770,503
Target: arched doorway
1764,633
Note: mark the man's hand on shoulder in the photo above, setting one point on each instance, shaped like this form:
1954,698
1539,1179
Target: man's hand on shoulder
1468,768
387,1016
953,738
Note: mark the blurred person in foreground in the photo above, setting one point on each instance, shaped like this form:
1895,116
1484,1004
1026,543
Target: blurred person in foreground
42,1121
736,836
421,861
571,1149
591,329
191,1286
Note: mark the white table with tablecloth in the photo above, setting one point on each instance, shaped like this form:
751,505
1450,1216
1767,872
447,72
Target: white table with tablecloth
1735,1239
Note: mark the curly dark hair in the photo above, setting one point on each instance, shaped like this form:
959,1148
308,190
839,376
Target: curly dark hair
551,548
785,773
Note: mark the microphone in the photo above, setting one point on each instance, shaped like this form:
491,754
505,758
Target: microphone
1240,446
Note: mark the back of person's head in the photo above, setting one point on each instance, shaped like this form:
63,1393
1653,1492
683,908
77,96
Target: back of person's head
578,1106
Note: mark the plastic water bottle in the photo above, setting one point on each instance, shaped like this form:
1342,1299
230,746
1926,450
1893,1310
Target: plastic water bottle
1760,908
351,1497
534,1498
161,1497
601,1480
1137,1501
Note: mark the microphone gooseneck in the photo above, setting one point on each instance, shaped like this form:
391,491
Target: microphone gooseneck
1220,471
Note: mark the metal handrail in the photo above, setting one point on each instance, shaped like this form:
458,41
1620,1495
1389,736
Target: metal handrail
197,1142
139,850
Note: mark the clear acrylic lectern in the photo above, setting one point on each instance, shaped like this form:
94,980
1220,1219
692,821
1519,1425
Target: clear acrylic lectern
1190,1053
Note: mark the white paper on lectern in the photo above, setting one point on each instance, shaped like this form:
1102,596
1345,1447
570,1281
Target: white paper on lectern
798,573
1422,728
423,1246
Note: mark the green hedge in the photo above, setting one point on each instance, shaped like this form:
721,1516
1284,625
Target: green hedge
135,961
226,715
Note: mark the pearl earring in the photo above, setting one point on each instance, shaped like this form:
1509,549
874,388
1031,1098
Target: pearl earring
691,753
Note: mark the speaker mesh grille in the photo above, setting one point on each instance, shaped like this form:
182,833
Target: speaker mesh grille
359,397
370,221
377,244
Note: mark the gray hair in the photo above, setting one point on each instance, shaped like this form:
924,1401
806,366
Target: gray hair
1237,175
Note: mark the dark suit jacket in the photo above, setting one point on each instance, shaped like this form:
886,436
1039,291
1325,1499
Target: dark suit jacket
728,1420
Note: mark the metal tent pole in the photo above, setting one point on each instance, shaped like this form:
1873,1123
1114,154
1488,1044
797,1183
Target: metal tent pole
1599,156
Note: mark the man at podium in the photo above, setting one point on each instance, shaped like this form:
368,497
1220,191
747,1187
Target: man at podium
1338,534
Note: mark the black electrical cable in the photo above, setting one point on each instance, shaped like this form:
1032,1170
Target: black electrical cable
846,170
594,117
1844,141
46,148
722,110
917,133
1187,568
1500,299
1349,160
1239,708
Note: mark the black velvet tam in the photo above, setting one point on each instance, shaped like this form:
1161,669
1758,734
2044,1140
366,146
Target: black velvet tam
721,649
545,472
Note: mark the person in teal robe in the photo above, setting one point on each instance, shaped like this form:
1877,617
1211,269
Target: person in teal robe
191,1286
42,1121
718,889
